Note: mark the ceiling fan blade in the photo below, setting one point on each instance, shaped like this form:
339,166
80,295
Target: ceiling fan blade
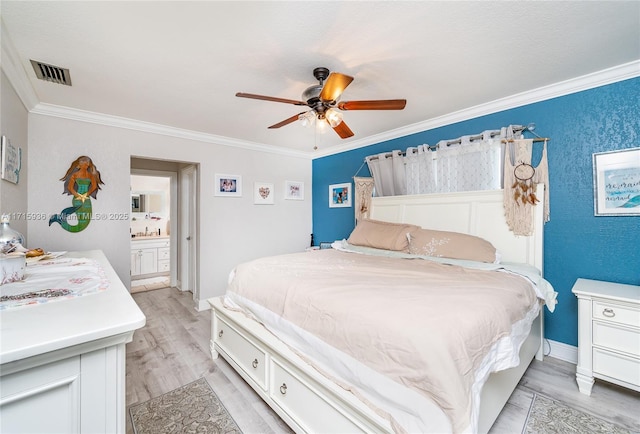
269,98
334,86
380,104
286,121
343,130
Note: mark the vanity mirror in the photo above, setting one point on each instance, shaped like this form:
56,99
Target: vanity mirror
146,202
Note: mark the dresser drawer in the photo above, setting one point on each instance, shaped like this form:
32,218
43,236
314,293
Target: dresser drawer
303,402
250,357
615,337
617,313
616,366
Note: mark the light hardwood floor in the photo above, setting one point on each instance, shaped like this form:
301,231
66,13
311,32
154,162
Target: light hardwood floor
173,349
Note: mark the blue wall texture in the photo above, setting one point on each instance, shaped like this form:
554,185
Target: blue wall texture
577,243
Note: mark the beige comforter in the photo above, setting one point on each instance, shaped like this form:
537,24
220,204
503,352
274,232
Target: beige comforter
423,324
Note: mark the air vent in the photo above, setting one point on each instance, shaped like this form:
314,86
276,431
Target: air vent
51,73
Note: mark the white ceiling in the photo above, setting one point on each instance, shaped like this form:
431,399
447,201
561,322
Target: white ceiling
179,64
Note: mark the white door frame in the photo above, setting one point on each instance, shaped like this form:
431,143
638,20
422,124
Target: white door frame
188,231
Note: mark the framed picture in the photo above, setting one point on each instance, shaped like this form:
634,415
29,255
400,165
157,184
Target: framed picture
294,190
340,195
616,183
263,193
11,161
228,185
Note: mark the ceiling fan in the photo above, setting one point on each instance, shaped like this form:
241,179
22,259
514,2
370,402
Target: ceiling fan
322,99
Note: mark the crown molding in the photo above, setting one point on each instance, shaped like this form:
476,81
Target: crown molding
13,69
149,127
578,84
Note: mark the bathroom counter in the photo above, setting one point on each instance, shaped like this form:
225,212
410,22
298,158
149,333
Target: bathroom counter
150,237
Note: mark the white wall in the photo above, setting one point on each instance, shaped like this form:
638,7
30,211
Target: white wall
13,125
231,230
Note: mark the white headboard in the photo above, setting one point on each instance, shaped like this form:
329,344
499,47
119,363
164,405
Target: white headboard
479,213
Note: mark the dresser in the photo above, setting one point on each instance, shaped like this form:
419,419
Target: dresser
62,363
608,334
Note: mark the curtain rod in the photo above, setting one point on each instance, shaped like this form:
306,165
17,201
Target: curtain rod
537,139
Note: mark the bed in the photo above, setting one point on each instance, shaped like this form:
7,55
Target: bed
310,335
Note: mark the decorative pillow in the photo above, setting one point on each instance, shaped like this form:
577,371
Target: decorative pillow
452,245
381,235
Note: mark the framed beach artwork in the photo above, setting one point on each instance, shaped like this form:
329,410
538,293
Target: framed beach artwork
263,193
228,185
616,183
340,195
11,157
294,190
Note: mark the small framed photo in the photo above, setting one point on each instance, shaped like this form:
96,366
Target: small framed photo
340,195
294,190
616,183
263,193
11,157
228,185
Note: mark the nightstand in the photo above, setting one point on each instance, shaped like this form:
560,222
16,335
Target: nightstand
608,334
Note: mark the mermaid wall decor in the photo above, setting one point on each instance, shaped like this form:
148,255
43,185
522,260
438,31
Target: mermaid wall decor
82,181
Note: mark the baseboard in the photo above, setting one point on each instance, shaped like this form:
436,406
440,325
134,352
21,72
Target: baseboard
561,351
202,305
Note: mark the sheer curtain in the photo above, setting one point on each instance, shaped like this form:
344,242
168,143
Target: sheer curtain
420,168
467,164
470,165
388,173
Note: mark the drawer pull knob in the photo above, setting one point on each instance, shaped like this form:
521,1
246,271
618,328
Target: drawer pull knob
609,313
220,333
283,389
254,363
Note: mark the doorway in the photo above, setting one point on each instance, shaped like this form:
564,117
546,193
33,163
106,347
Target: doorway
180,224
153,216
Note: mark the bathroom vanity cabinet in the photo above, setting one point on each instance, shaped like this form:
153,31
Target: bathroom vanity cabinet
149,255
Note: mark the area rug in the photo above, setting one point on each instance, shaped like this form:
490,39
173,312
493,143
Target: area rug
549,416
193,408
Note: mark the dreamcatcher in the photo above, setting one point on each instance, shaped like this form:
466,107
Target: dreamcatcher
523,188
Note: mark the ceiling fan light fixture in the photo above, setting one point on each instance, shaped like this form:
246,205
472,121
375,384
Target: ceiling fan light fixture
334,117
307,119
323,102
322,126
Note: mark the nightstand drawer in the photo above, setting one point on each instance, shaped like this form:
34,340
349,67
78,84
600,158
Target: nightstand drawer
617,313
616,366
617,338
608,333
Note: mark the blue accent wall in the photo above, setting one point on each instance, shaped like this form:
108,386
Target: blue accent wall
577,244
